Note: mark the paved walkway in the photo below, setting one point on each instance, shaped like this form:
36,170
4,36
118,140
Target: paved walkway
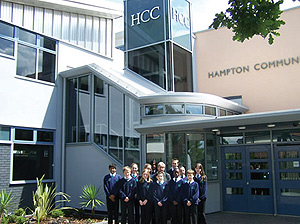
245,218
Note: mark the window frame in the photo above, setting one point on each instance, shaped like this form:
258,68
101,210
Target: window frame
34,142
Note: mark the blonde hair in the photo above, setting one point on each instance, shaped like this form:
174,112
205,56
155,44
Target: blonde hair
126,168
190,171
148,179
202,173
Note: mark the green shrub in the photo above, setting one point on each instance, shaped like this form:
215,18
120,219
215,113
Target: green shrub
57,213
89,195
6,202
20,219
20,212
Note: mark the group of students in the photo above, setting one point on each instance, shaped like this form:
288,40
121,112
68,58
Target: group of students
156,196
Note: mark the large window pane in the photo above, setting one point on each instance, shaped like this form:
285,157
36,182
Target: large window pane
155,147
232,139
23,135
27,36
32,161
116,123
7,47
194,109
5,133
286,135
183,77
195,150
150,63
72,100
154,110
175,148
258,137
26,61
84,109
45,136
174,108
46,66
211,157
47,43
6,30
101,117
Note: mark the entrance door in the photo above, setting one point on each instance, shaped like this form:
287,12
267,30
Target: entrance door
247,179
287,170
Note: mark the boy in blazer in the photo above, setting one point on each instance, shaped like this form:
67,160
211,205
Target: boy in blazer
112,200
190,198
160,196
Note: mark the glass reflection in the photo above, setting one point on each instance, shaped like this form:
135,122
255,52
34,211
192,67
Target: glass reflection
234,176
260,175
7,47
174,109
234,190
27,36
289,176
288,154
259,165
290,192
26,61
6,30
46,66
194,109
259,155
154,109
260,191
233,166
233,156
155,147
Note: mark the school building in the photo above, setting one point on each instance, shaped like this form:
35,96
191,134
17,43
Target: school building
73,101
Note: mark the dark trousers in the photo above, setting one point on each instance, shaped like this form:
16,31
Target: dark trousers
112,210
201,212
137,211
190,213
127,208
176,211
146,213
160,214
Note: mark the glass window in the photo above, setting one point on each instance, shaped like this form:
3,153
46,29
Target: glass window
174,148
174,108
260,191
101,113
260,175
234,190
149,62
210,110
233,166
222,112
233,156
6,30
212,157
289,176
286,135
234,176
259,155
259,165
194,109
84,109
258,137
183,77
288,154
26,63
232,139
47,43
32,161
290,192
72,102
7,47
154,110
27,36
289,165
45,136
46,66
5,133
195,150
155,147
23,135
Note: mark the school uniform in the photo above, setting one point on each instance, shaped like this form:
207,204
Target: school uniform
127,188
144,192
167,177
202,182
175,194
190,193
160,194
136,203
110,182
171,172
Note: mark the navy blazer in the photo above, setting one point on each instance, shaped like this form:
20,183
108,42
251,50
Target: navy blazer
144,190
160,192
175,190
202,182
110,184
127,188
190,192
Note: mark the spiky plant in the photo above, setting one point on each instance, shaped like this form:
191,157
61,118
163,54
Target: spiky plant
6,202
89,195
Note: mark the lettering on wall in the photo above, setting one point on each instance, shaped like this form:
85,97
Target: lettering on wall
255,67
145,16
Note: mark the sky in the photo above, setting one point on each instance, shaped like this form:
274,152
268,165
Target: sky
203,11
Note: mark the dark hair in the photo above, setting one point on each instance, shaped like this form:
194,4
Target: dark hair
112,166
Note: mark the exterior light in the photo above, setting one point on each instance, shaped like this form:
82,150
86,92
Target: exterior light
215,130
271,125
242,128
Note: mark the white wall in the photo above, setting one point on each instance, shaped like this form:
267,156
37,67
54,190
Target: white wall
213,202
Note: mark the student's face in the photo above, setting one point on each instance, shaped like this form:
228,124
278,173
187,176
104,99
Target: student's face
175,164
182,171
145,175
127,173
190,176
161,168
198,169
160,177
112,170
176,173
148,168
134,168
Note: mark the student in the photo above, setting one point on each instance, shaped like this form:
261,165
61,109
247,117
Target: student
175,163
135,174
110,187
190,197
182,174
175,197
127,190
153,165
144,195
201,179
161,168
160,196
